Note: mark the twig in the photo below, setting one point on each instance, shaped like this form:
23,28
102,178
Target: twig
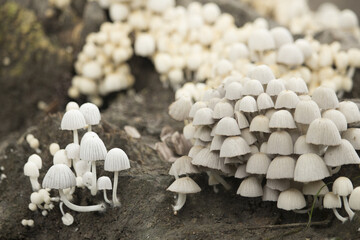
291,225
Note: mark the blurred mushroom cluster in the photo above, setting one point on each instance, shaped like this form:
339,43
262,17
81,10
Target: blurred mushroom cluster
75,166
282,142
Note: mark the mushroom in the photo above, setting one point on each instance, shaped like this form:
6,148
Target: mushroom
91,114
31,170
53,148
291,199
116,160
343,187
104,183
73,120
333,201
36,159
60,177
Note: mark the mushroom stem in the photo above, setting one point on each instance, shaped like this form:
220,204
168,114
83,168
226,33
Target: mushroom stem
61,208
76,136
34,184
106,198
221,181
347,208
180,202
114,195
93,183
93,208
338,216
89,128
335,170
351,72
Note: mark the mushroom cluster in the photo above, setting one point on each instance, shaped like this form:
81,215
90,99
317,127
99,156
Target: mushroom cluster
81,155
281,141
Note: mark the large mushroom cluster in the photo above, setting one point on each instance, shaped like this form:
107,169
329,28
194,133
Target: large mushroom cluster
75,166
281,142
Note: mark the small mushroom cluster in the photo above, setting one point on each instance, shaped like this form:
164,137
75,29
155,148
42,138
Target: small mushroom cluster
81,155
270,133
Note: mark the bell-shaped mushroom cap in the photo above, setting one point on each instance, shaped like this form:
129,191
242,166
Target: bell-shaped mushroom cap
73,120
325,98
253,88
72,151
203,133
238,51
227,127
310,167
31,169
315,188
297,85
196,106
91,113
104,183
88,134
207,158
81,167
247,104
353,136
234,146
280,142
331,200
250,187
281,167
302,147
71,105
289,54
342,154
261,40
270,195
260,123
305,47
212,103
350,111
249,137
241,120
241,172
182,166
348,20
306,111
261,73
354,200
287,99
60,157
59,176
264,101
116,160
278,184
184,185
194,150
35,159
223,109
180,109
291,199
92,148
275,87
203,116
323,131
281,36
337,117
282,119
209,94
216,143
234,91
258,163
263,147
189,131
342,186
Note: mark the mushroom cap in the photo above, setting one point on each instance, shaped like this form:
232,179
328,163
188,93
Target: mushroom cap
305,47
87,178
241,172
71,105
223,109
73,151
250,187
92,148
323,131
280,142
189,131
196,106
275,87
331,200
35,159
282,119
203,133
297,85
278,184
354,200
337,117
306,111
281,36
91,113
262,73
286,99
325,98
184,185
353,136
348,20
216,143
258,163
270,195
264,101
289,54
302,147
182,166
281,167
342,186
104,183
253,88
342,154
234,146
59,176
207,158
291,199
247,104
241,120
310,167
313,188
82,167
180,109
350,111
144,45
31,169
234,91
260,123
194,150
261,40
248,136
73,120
116,160
203,116
60,157
227,126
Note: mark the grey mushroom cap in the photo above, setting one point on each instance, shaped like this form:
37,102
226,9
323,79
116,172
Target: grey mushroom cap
310,167
291,199
116,160
73,120
184,185
250,187
325,98
331,200
203,116
342,154
182,166
281,167
323,131
59,176
342,186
